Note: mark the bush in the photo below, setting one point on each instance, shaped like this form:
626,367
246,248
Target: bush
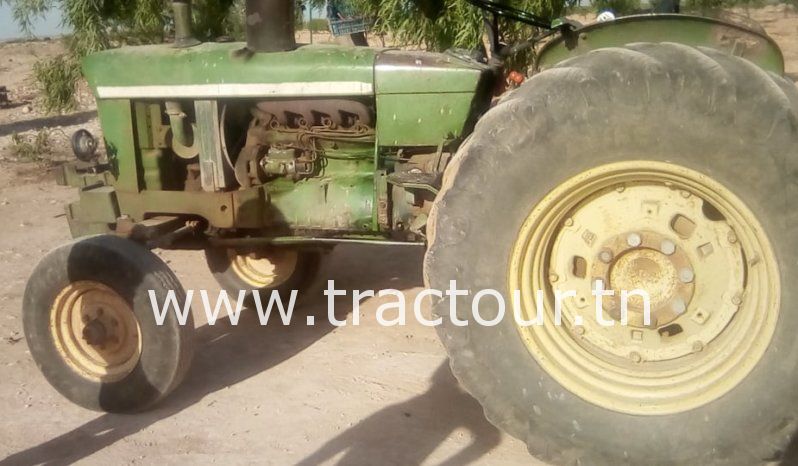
702,6
317,25
619,7
33,147
57,78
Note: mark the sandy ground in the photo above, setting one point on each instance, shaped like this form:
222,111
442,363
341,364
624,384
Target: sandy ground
273,395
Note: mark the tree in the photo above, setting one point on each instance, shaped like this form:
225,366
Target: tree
438,25
100,24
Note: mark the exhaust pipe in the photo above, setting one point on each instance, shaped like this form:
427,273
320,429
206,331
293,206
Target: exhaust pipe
182,13
270,25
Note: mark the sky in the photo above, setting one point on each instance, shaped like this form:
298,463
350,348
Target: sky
50,25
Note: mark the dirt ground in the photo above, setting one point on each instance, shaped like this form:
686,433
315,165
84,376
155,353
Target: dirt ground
273,395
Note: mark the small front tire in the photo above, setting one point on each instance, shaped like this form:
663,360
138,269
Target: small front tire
91,329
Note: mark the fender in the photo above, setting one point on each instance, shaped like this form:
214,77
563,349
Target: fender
735,39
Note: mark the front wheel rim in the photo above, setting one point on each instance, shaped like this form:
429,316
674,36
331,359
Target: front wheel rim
264,269
95,331
694,244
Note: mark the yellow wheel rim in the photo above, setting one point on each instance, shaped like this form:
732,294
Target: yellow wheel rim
264,269
95,331
689,242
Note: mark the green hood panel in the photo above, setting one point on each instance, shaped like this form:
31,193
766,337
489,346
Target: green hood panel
735,39
422,98
226,70
414,72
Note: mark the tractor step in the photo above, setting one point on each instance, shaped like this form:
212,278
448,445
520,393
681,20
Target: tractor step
410,180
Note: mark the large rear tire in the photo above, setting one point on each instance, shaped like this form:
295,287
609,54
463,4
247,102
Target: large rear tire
664,166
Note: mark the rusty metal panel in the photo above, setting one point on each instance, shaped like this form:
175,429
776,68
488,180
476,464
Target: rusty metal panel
217,207
214,171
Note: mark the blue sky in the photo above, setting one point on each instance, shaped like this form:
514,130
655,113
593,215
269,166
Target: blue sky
50,25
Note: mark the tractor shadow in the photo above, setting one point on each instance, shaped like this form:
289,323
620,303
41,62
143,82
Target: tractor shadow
47,121
227,355
408,432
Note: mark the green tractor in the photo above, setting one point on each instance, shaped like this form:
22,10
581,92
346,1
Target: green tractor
653,152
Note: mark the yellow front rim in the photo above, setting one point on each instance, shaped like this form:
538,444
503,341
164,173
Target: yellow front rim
264,269
697,250
95,331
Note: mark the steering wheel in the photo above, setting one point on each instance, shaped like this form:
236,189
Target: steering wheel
522,16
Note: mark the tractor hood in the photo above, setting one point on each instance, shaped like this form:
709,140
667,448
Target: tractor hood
217,70
228,70
422,98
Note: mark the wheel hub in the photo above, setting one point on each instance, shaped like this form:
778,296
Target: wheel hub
95,331
647,270
647,261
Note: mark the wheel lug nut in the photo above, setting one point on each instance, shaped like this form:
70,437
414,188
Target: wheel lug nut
569,222
635,356
737,300
732,237
579,330
685,194
553,277
686,275
678,306
698,346
605,256
620,188
634,240
667,247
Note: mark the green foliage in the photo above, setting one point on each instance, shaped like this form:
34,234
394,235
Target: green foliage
32,148
317,25
86,19
211,18
99,24
459,24
712,5
26,11
234,21
619,7
56,78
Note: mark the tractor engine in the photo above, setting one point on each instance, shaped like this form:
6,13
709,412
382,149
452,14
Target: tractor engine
291,138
